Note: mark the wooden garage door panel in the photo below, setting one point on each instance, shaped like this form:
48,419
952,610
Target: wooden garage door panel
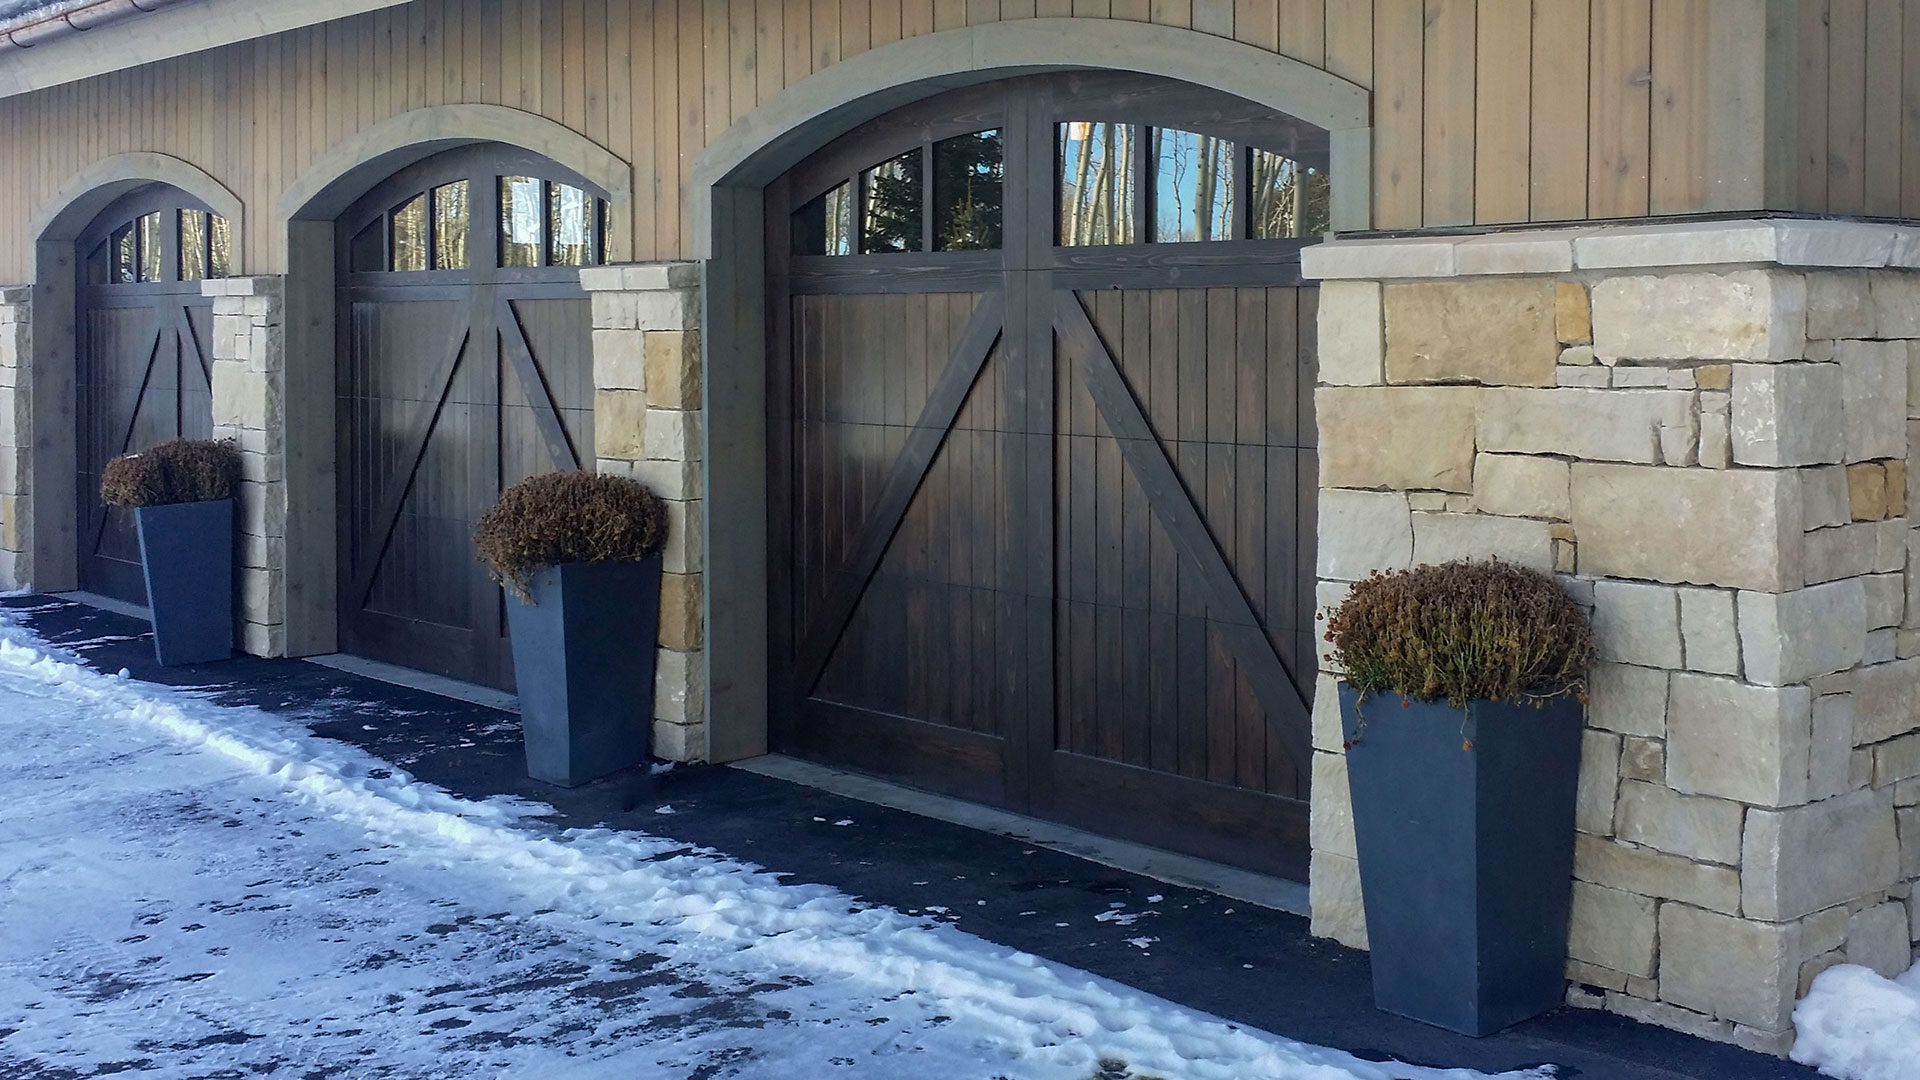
546,388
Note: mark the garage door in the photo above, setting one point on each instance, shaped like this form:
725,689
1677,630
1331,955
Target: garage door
143,356
1043,466
465,366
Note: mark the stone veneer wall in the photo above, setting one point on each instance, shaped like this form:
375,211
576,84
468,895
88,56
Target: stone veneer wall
647,424
1704,431
249,406
16,437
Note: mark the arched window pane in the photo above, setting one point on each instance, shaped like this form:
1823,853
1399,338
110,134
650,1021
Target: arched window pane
825,225
968,182
1192,187
220,263
570,224
193,245
126,255
520,203
409,233
892,194
450,217
1097,198
1288,198
151,247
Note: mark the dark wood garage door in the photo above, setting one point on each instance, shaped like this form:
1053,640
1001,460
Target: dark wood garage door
1043,466
465,366
143,358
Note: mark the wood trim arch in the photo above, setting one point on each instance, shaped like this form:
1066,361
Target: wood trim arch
91,190
349,168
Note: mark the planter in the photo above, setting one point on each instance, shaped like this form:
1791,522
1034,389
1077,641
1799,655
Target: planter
186,554
1463,820
583,655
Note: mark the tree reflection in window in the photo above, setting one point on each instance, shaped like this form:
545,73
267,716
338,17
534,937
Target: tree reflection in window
1192,187
892,192
450,216
152,264
1097,199
968,185
193,245
570,225
825,225
408,232
1288,198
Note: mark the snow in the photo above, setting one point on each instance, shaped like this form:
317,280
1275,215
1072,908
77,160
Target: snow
1858,1025
194,890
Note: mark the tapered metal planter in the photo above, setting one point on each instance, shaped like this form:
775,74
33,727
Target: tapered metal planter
583,657
186,555
1463,820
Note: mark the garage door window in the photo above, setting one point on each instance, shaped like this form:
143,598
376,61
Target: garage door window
164,246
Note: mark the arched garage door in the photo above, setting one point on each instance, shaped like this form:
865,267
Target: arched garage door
1042,457
465,366
143,357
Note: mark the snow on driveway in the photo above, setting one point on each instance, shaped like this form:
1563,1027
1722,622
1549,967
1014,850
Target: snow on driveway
188,890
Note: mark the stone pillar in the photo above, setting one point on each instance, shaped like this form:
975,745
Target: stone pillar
249,407
647,424
16,438
1704,430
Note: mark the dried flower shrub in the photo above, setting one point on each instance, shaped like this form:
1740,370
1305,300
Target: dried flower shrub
1462,631
566,517
175,471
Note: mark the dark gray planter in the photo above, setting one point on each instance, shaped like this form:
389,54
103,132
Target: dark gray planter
186,554
1464,824
583,655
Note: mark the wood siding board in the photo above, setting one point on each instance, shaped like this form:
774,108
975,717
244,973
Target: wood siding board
1885,33
1910,111
1398,122
856,30
1621,77
1503,117
1170,12
1256,22
1847,107
1349,40
1303,30
1677,141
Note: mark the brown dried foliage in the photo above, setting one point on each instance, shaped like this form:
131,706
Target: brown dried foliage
566,517
175,471
1462,631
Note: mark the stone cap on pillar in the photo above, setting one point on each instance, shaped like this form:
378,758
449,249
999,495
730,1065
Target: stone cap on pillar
641,277
1802,242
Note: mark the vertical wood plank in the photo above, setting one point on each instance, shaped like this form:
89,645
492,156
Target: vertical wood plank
1910,111
1349,40
1213,17
1885,31
886,18
952,14
826,34
982,11
1847,107
692,117
1256,22
716,72
1503,116
592,59
1677,139
1303,30
1621,78
1172,12
856,28
1449,138
1398,127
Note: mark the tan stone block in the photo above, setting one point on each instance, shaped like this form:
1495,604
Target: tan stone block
1736,528
1572,314
1642,758
1640,378
667,309
1497,332
1886,599
1737,741
1403,437
1521,485
1577,356
1788,414
258,639
1443,537
620,424
1839,305
1830,760
675,481
682,614
1654,873
1867,491
615,311
1714,376
1889,545
1874,393
1729,968
1352,346
1825,497
685,552
1671,1017
1877,939
1612,929
1709,631
1581,973
1841,552
1792,637
1797,861
1327,732
1741,315
679,742
1896,303
1886,701
1362,531
1330,823
680,686
674,435
1333,896
1599,781
673,369
1699,828
1896,760
1627,699
1637,623
262,596
619,360
1596,425
1593,377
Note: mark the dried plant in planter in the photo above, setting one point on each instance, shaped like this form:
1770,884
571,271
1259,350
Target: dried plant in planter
1462,631
568,517
175,471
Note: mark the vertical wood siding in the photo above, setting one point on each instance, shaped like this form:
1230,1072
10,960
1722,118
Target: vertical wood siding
1486,111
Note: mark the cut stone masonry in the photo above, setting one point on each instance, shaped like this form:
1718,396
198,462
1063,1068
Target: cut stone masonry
16,437
1704,430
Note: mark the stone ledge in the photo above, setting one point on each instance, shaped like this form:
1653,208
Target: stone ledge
641,277
1783,242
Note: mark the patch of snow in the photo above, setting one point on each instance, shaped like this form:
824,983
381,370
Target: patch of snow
844,821
1122,918
1155,898
664,808
371,924
1855,1024
1141,942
